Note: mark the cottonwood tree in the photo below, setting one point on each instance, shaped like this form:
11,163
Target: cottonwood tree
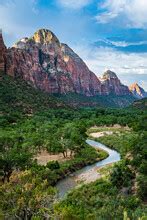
13,156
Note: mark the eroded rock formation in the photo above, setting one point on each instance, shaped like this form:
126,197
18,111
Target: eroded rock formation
2,54
137,91
112,85
53,67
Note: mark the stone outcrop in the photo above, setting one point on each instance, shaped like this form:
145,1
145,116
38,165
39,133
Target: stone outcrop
2,54
137,91
112,85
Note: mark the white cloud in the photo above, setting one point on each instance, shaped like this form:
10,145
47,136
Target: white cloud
134,10
126,44
128,66
120,43
14,16
106,17
74,4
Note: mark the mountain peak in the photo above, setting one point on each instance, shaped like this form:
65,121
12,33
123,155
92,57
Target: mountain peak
137,91
42,36
45,36
134,87
109,75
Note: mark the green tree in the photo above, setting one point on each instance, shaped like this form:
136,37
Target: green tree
13,156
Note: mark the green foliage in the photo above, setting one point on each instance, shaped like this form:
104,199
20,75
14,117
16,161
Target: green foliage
99,200
53,165
142,186
32,121
19,99
111,100
13,156
26,197
121,175
140,104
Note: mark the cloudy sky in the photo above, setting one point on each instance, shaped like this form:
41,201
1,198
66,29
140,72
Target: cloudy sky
107,34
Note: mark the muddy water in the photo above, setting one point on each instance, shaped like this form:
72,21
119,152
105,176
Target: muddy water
88,173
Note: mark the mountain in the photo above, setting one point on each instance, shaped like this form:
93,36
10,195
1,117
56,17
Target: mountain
137,91
2,54
53,67
112,85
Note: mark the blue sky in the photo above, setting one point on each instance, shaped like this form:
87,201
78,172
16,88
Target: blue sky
107,34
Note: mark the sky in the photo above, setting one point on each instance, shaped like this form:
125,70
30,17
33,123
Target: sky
106,34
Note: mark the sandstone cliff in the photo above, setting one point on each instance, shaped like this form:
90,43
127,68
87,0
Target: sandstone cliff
51,66
112,85
137,91
2,54
55,68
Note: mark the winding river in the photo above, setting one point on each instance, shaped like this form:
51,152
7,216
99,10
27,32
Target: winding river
89,173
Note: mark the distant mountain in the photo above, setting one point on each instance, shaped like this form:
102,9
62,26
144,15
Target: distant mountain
53,67
137,91
112,85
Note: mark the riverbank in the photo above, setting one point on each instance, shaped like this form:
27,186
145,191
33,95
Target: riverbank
44,157
87,156
89,173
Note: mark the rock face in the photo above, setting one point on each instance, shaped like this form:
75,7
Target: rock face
2,54
53,67
112,85
137,91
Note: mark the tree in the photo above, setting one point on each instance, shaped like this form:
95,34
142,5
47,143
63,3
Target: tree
13,156
31,197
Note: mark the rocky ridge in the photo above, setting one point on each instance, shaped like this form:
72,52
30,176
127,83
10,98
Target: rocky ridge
112,85
46,63
51,66
137,91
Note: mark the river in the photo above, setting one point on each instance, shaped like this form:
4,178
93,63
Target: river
89,173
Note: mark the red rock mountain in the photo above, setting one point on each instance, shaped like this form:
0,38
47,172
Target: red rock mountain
51,66
112,85
137,91
54,67
2,54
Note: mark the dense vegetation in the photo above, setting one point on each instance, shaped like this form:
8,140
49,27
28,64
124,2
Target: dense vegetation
31,122
123,192
103,101
140,104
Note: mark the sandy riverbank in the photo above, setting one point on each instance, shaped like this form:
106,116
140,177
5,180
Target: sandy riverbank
88,176
100,134
44,157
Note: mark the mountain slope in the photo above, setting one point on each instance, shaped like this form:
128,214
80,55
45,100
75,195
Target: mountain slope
111,100
140,104
54,68
137,91
19,98
112,85
51,66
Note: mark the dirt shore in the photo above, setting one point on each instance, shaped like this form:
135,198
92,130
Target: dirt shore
100,134
44,157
